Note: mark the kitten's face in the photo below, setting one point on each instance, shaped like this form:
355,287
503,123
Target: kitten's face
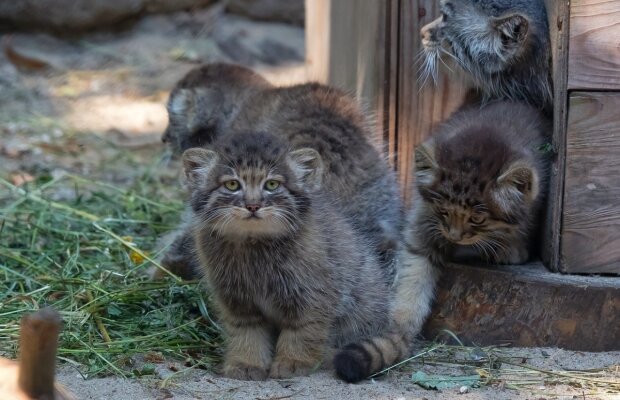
483,37
474,199
248,189
463,208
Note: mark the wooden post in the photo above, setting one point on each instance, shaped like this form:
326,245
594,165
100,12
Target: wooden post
351,45
38,342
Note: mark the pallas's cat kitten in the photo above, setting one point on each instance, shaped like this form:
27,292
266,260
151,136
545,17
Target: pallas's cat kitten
216,100
480,181
292,279
503,45
479,187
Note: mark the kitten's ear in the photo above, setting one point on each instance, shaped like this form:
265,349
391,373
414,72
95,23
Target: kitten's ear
184,106
197,163
518,182
425,163
307,165
512,29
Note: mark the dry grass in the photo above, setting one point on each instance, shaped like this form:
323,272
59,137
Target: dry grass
86,255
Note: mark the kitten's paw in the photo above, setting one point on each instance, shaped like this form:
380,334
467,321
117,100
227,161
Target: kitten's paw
245,372
289,368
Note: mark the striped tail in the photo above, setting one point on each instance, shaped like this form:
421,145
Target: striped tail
357,361
415,287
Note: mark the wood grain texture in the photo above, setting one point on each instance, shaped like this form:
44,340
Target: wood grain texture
594,61
558,14
420,107
527,306
351,45
317,32
591,223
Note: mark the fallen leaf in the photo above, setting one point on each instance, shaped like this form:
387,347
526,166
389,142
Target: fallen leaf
136,257
438,382
22,62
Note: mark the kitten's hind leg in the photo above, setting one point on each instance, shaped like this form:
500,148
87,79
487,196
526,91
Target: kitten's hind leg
415,291
179,258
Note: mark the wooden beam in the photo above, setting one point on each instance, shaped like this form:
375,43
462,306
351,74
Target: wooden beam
558,12
525,305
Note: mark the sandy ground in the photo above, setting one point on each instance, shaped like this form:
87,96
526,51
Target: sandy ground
106,91
196,384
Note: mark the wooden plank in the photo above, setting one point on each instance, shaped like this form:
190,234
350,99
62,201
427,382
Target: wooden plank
420,108
317,32
594,61
527,306
590,240
558,14
350,45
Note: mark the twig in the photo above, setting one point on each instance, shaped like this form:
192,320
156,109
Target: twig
100,325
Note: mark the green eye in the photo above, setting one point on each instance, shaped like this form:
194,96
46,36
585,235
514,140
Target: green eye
272,185
232,185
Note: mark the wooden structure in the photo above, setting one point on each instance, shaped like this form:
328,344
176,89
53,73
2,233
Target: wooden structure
370,47
33,376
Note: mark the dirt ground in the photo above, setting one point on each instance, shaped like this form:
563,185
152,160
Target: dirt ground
323,385
103,93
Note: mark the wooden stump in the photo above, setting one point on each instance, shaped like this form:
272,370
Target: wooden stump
33,376
525,305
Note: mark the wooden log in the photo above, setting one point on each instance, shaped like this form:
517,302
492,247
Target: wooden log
590,240
594,56
527,306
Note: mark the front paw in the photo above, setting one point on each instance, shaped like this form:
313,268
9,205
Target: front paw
245,372
289,368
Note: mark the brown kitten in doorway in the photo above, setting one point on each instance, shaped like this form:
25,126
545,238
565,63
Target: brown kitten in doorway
503,45
480,183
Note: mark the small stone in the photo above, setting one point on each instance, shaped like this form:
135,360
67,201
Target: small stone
463,389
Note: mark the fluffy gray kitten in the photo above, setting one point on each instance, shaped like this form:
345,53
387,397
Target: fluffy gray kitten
292,279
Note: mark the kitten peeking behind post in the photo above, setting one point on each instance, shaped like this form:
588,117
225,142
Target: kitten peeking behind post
502,44
480,183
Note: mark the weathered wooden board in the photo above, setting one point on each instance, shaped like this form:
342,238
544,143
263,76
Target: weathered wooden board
558,13
591,223
351,45
527,306
420,107
594,56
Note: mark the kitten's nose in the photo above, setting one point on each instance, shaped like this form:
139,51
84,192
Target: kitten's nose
455,235
252,207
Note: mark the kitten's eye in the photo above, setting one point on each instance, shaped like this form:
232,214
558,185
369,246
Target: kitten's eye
272,185
477,219
232,185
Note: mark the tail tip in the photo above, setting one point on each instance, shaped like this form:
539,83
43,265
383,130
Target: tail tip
351,364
